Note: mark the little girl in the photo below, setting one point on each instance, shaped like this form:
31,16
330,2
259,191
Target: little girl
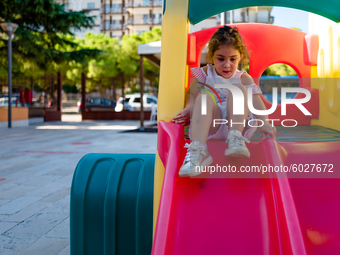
226,51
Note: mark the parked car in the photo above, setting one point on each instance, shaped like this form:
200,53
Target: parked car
97,104
4,102
132,102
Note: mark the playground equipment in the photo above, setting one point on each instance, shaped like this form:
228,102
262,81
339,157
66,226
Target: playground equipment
272,214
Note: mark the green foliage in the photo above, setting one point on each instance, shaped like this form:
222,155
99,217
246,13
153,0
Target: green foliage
117,58
129,59
70,89
280,70
296,28
39,39
44,44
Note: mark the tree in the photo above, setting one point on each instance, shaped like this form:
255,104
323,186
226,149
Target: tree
44,43
129,58
106,65
40,38
280,70
296,28
117,58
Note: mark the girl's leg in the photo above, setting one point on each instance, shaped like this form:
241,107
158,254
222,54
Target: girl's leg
241,120
237,123
202,125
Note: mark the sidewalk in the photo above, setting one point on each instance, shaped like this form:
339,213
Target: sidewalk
36,170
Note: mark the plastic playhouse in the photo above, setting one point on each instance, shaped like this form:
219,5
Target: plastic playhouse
137,203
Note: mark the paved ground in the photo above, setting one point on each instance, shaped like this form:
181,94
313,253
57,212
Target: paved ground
36,169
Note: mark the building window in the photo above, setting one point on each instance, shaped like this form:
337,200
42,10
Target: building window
263,16
237,16
90,5
107,8
117,8
145,18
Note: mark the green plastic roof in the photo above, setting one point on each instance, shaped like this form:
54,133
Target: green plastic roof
202,9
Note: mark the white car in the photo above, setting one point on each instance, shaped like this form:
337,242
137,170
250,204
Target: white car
4,101
132,102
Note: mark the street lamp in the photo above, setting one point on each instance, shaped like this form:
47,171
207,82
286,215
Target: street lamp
9,29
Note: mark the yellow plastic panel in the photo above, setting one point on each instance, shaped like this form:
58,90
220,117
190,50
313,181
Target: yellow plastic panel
327,72
158,183
172,74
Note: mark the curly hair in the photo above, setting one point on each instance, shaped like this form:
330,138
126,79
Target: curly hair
230,37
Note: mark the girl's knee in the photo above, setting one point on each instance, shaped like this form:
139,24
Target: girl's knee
209,100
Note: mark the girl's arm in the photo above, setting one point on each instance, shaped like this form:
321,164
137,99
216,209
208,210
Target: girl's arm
267,128
183,117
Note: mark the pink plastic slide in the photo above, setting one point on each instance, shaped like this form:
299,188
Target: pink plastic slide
253,213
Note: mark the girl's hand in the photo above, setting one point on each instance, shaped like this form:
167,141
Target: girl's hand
267,129
183,117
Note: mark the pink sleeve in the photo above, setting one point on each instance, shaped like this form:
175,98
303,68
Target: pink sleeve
199,74
256,89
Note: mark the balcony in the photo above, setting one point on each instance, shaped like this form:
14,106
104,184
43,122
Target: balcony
136,5
115,27
158,3
145,4
119,10
114,11
143,22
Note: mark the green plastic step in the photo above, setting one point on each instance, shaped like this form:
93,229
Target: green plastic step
112,204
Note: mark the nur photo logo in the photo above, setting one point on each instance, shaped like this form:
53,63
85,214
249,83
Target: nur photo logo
238,103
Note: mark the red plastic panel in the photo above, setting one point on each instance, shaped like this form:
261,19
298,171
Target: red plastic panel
191,58
313,104
267,45
316,200
271,216
294,113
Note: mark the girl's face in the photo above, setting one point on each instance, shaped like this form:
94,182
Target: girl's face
226,60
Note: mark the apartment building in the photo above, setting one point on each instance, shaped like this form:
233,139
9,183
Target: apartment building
133,16
94,6
256,14
118,17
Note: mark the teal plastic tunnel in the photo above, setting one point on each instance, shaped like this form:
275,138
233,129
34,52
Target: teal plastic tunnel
112,204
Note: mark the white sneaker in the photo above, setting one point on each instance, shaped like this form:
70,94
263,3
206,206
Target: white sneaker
236,145
197,156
